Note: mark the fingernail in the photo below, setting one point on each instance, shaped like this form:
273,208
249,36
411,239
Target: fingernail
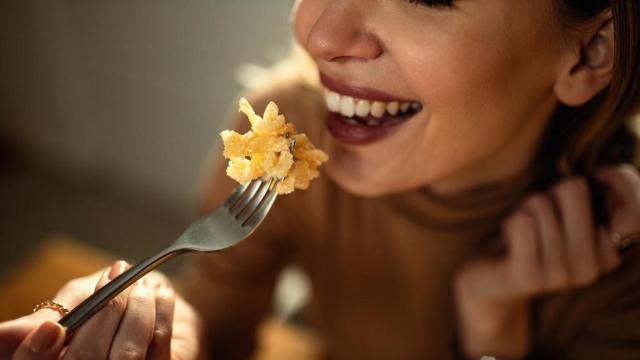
117,269
105,274
140,288
166,291
45,337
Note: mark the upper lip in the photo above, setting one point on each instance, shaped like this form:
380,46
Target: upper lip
358,91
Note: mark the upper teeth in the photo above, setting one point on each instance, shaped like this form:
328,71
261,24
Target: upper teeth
349,106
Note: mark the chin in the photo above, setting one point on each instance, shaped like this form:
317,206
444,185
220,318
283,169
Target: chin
354,183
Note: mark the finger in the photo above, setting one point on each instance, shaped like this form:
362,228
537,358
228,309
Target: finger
524,263
94,337
573,199
12,333
77,290
160,347
136,327
551,239
69,296
44,343
187,327
623,197
155,279
608,253
622,179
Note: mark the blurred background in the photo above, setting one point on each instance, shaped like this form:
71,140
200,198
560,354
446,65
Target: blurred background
108,110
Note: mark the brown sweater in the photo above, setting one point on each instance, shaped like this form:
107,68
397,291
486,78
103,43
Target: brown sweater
381,267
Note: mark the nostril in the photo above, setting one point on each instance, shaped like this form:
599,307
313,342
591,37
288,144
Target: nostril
341,47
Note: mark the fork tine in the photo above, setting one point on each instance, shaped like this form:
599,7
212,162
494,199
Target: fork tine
256,218
237,193
255,202
246,198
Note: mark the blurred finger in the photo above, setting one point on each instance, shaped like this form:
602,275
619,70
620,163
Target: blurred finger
573,198
553,257
70,295
76,290
523,249
160,347
94,337
622,179
44,343
608,253
13,332
136,327
155,279
623,197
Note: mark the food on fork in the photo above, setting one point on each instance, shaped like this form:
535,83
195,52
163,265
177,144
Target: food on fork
271,150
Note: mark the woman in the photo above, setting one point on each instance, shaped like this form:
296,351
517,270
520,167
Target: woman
460,214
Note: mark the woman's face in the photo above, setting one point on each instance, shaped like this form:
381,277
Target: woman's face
448,97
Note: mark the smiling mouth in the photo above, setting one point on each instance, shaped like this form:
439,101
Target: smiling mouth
368,112
360,115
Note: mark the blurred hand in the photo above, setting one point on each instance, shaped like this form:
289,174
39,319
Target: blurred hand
148,320
552,245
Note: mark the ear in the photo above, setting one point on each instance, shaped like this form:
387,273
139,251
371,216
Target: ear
589,67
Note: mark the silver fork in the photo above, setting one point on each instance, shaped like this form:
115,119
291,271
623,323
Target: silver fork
226,226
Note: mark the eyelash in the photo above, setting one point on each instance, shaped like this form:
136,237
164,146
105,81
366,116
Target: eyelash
433,3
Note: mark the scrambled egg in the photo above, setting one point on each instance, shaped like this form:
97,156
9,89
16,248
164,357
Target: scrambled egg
271,149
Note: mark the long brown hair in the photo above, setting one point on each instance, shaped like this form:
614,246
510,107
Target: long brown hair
579,139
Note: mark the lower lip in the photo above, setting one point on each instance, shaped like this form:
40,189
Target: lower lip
361,134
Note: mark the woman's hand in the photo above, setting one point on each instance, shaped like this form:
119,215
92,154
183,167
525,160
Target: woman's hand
147,320
552,245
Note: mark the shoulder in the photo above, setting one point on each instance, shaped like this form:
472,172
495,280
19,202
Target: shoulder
599,320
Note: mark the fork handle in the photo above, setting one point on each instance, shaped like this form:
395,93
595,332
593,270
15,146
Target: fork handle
95,302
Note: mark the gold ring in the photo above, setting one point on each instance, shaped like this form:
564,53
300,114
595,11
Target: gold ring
51,304
624,241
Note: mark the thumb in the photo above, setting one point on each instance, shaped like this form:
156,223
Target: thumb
12,333
44,343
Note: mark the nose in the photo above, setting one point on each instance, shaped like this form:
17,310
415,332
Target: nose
340,33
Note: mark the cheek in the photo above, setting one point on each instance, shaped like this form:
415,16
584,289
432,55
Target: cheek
465,90
470,94
457,75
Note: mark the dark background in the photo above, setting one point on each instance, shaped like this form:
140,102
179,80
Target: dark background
108,110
